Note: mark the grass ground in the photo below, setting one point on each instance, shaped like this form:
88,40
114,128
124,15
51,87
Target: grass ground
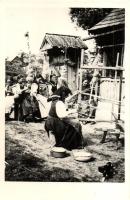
27,153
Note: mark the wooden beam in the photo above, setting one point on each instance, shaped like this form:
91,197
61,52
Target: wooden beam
101,67
102,34
80,83
94,120
113,45
99,97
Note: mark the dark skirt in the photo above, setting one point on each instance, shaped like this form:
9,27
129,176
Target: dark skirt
30,106
26,106
65,134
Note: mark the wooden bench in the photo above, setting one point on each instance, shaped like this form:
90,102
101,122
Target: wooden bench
105,132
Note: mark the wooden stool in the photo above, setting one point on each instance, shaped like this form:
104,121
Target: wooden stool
118,134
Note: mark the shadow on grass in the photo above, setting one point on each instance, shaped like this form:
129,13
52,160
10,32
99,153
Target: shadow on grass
24,166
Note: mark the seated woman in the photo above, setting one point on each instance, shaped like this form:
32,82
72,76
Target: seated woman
30,106
66,133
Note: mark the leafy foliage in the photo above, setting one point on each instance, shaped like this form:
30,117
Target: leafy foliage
14,67
88,17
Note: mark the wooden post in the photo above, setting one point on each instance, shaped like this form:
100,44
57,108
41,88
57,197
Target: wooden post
120,84
120,94
115,92
80,86
122,55
65,62
80,81
77,72
104,63
91,93
117,61
29,50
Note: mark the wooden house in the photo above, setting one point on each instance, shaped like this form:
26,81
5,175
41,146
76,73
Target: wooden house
109,35
62,55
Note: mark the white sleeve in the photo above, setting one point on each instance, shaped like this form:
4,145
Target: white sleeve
34,88
16,89
50,89
61,109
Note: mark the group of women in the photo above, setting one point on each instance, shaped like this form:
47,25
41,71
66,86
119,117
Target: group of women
33,100
22,99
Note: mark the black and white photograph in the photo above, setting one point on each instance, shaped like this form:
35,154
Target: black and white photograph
64,94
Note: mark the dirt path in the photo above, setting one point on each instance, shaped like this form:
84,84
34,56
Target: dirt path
28,156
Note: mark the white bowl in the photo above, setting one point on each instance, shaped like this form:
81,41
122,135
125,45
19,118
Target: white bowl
82,155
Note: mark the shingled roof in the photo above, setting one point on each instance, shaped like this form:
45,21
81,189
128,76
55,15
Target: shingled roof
115,18
57,40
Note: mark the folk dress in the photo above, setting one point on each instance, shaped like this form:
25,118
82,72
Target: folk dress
67,132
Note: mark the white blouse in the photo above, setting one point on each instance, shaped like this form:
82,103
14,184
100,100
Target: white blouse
62,112
61,109
34,88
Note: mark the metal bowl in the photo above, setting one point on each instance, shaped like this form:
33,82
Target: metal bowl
58,152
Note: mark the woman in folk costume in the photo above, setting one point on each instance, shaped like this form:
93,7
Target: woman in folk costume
52,86
19,91
30,105
9,99
62,89
58,123
41,97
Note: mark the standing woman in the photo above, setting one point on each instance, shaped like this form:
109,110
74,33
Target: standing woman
9,99
52,86
18,91
62,89
41,97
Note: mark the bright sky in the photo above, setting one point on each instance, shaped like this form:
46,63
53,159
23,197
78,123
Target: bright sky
38,21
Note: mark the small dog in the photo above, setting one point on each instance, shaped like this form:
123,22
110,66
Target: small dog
107,170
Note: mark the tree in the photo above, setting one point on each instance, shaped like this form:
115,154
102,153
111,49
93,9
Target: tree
88,17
